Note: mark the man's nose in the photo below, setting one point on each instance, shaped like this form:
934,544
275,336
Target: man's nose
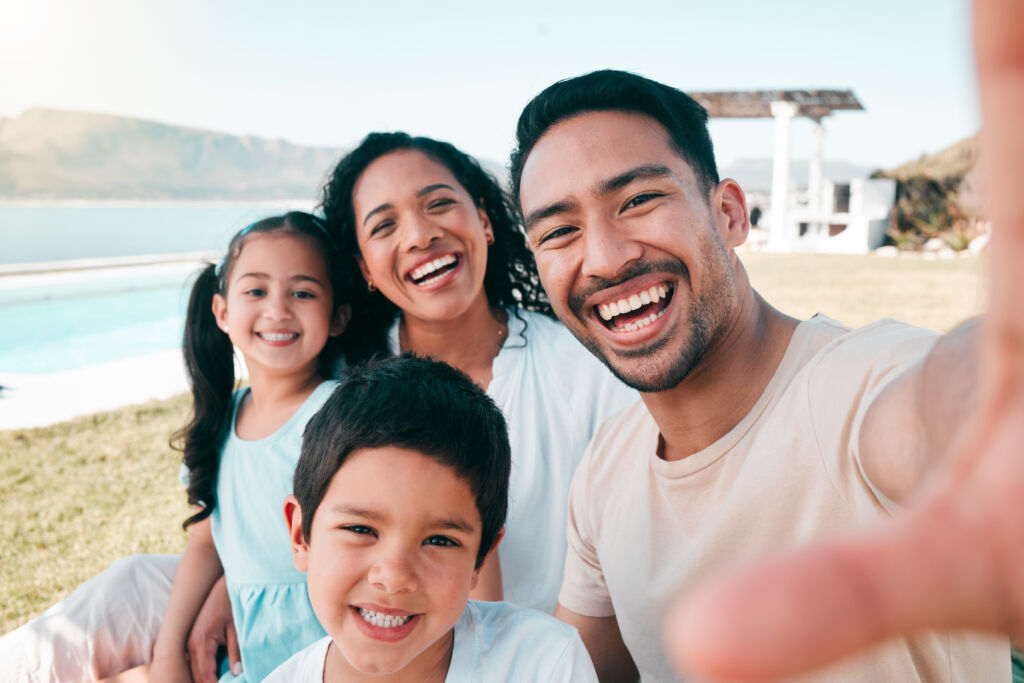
608,250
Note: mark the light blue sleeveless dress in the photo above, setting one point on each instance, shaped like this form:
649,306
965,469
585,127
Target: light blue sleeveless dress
269,600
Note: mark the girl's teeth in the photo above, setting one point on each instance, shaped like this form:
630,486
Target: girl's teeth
382,620
270,336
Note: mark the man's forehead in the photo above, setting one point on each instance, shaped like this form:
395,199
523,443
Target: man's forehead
579,155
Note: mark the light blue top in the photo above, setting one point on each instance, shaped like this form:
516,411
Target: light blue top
494,641
269,601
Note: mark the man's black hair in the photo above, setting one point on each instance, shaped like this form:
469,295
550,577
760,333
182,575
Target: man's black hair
417,404
682,116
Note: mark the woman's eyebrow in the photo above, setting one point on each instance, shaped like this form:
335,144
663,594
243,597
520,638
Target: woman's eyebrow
382,207
436,186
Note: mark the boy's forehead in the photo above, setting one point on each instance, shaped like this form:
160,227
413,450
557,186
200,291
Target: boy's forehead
576,156
390,482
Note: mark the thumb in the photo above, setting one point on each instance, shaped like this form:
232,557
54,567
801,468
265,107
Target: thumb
234,657
803,609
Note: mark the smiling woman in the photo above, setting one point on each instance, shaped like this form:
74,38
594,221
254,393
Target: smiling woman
447,274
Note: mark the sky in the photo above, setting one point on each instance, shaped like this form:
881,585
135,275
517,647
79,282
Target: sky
327,73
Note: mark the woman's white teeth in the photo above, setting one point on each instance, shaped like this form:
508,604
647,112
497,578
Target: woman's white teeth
277,337
382,620
428,268
632,302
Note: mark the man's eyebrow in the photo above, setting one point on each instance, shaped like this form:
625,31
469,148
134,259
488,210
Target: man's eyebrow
563,206
382,207
436,186
645,172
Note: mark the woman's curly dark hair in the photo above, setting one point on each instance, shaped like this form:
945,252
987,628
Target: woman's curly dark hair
511,278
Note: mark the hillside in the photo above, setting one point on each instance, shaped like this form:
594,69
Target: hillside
49,154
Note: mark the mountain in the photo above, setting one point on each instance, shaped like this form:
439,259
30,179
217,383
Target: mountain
756,174
48,153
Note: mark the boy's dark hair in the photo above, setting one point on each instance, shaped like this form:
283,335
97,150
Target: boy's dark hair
421,405
682,116
511,277
209,357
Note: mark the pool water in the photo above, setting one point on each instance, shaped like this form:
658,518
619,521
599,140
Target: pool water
54,327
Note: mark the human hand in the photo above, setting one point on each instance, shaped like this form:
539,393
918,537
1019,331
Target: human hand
213,627
956,558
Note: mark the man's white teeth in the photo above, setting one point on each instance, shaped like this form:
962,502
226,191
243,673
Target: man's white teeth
278,337
428,268
641,323
382,620
632,302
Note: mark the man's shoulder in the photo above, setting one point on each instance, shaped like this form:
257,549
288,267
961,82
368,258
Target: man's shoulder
882,341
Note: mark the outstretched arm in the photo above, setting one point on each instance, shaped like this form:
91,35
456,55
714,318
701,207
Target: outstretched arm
956,557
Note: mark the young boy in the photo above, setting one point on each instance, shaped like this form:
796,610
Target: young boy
400,494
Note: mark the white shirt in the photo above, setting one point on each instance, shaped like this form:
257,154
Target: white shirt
494,641
554,394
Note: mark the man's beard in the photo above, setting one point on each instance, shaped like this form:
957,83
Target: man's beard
707,315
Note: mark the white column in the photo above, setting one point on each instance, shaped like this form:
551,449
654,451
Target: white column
814,173
779,234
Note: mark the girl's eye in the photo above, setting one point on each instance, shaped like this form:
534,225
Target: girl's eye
444,541
303,294
556,233
360,529
256,291
639,199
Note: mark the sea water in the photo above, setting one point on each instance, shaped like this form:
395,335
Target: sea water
69,320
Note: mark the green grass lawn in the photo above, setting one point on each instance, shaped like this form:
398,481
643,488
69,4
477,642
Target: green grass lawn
78,495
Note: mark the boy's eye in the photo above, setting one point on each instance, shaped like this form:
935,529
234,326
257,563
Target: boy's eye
360,529
441,541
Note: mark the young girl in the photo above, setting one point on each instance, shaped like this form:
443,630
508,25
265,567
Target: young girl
275,297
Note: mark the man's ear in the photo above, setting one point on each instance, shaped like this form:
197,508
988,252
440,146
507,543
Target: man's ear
219,306
729,209
342,314
487,557
293,519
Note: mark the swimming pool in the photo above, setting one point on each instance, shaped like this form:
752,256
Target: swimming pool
64,321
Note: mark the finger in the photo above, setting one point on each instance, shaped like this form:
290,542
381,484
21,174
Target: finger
802,610
203,661
234,656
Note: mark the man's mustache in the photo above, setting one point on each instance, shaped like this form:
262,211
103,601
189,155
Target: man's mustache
578,297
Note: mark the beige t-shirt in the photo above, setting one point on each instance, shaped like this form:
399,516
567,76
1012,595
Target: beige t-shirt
641,528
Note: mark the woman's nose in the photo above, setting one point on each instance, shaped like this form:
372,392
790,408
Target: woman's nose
419,232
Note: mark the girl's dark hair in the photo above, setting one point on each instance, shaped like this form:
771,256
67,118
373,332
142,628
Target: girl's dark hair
420,405
209,356
511,278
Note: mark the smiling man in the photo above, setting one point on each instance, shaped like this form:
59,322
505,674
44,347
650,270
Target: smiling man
756,430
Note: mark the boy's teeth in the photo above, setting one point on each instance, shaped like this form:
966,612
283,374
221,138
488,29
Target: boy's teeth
428,268
634,301
382,620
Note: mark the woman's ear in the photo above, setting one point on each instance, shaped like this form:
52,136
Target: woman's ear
363,269
339,321
220,311
293,520
485,221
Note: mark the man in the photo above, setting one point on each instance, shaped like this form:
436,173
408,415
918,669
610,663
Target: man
756,430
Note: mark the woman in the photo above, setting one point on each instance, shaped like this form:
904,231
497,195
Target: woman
447,274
